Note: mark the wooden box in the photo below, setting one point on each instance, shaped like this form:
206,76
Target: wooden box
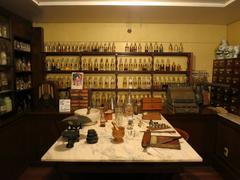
151,104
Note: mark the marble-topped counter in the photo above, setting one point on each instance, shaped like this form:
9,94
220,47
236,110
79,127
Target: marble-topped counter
128,151
231,117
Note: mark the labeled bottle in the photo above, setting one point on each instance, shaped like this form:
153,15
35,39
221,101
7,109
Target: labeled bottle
120,66
107,65
139,47
173,66
113,47
95,65
155,47
127,48
168,65
128,107
112,66
160,48
170,48
162,65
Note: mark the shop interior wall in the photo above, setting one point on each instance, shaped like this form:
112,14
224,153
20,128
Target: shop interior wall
233,33
199,39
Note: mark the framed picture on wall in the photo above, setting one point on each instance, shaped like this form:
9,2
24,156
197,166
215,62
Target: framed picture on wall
77,80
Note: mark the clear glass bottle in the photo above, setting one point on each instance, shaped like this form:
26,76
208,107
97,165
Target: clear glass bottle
128,107
113,83
125,83
112,66
107,65
120,66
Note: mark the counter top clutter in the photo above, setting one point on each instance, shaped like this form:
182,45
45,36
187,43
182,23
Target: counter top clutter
128,150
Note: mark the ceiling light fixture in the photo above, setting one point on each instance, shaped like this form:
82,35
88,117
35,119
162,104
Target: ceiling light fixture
131,3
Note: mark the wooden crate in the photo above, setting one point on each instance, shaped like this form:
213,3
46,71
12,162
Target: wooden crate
151,104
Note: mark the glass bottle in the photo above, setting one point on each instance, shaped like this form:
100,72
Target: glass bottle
135,83
120,66
168,65
125,65
130,65
106,82
113,84
100,83
170,48
96,65
146,48
173,66
160,48
124,83
127,49
139,82
144,65
112,66
101,65
128,107
113,47
130,83
107,65
135,65
139,47
155,47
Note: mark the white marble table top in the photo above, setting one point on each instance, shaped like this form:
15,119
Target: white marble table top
231,117
128,151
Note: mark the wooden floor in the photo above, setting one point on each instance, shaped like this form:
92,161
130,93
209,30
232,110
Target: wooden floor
193,173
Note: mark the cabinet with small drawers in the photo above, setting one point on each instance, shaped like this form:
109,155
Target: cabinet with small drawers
226,84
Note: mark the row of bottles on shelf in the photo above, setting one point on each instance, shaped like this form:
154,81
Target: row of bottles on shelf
80,47
4,84
4,53
108,64
5,105
109,81
62,64
23,82
23,65
61,80
152,47
4,30
22,46
99,82
167,66
109,47
98,64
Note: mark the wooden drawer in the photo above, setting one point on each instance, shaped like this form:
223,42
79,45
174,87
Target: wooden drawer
228,145
229,63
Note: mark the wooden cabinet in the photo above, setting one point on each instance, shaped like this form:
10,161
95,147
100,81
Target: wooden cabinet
226,82
6,67
109,74
23,69
228,145
16,90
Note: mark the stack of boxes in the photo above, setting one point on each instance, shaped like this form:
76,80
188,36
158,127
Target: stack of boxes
79,99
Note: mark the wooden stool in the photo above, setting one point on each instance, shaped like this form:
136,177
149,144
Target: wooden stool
38,173
183,133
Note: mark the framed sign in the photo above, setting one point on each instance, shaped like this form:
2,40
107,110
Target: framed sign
77,80
64,105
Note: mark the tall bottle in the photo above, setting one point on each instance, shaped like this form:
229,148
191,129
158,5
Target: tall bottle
128,107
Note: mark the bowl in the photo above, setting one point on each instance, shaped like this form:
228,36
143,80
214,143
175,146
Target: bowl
94,115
